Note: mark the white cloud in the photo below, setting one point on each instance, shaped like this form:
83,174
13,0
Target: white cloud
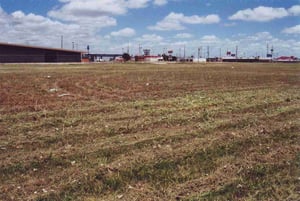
292,30
160,2
248,45
80,10
32,29
175,21
295,10
229,24
209,39
90,15
126,32
260,36
195,19
170,22
256,44
3,17
183,35
260,14
82,21
92,10
150,38
137,3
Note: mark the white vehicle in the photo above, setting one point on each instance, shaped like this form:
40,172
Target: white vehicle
98,59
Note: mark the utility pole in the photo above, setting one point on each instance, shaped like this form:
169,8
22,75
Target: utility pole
61,41
128,48
208,52
88,49
140,48
201,52
272,51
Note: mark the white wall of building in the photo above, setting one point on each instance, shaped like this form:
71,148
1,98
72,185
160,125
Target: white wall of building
199,60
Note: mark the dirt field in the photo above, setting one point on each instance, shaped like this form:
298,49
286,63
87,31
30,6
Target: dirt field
150,132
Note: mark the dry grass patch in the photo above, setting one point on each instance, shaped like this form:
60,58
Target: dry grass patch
149,132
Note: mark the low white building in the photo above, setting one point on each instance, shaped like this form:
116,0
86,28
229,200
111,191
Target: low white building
199,60
153,58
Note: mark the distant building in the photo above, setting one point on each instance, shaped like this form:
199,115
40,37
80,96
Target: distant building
119,59
147,57
286,59
13,53
199,60
153,58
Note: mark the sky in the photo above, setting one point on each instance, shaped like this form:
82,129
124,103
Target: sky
183,26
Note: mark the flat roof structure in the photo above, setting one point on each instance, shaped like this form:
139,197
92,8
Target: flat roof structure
15,53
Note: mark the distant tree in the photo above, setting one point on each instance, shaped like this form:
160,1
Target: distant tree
126,57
